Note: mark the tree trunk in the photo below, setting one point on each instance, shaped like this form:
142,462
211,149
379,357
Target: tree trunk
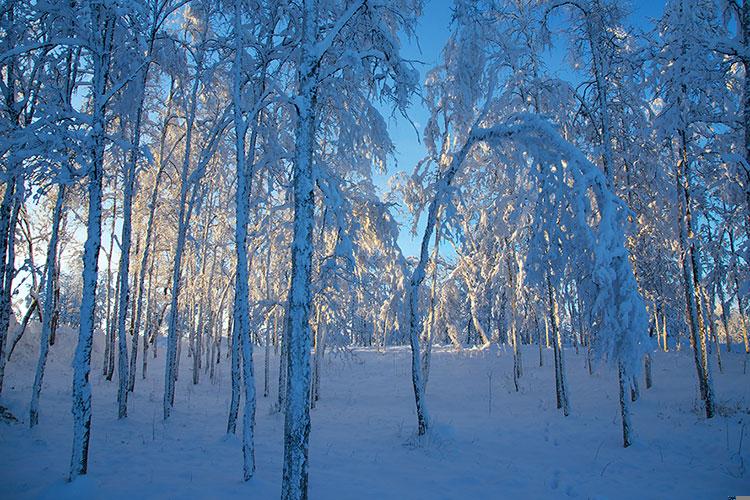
517,367
241,293
109,355
538,339
49,297
267,358
624,406
427,355
170,372
635,391
283,357
688,269
297,417
6,301
560,383
82,360
124,286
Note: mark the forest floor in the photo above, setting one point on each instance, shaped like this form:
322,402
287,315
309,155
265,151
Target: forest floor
487,441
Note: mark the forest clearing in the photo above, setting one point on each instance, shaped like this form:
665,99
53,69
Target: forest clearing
364,446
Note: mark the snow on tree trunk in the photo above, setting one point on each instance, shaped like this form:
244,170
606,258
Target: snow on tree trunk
283,359
316,357
109,348
624,405
517,366
538,339
555,346
738,295
8,216
297,338
267,360
124,285
635,391
235,374
248,416
124,262
49,299
430,331
561,365
82,360
417,277
241,293
56,302
688,264
319,357
147,334
744,26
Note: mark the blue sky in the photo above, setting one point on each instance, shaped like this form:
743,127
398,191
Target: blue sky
432,33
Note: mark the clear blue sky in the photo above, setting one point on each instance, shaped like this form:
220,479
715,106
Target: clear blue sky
432,33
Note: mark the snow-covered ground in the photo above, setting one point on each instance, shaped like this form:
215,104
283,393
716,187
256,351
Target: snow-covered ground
363,444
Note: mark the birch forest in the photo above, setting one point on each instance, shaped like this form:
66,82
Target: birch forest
374,249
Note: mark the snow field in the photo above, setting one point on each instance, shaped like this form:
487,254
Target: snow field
363,441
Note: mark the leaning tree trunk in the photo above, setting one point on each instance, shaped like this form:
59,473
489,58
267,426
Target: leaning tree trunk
417,277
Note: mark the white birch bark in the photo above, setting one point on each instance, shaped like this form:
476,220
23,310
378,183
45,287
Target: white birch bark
241,297
297,338
8,216
82,360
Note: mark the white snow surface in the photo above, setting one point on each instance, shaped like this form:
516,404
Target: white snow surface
363,441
